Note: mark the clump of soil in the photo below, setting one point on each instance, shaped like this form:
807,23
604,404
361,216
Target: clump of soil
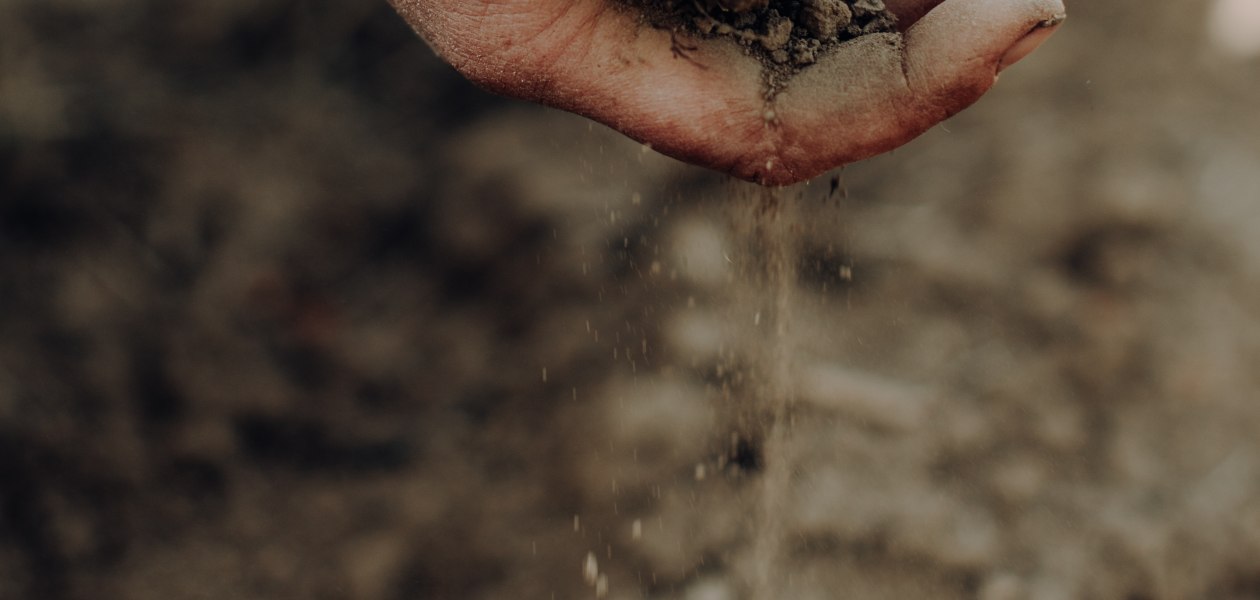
786,34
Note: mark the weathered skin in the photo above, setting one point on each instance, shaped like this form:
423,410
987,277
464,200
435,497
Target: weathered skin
703,101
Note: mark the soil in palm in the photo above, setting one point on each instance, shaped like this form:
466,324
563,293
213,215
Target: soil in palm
786,34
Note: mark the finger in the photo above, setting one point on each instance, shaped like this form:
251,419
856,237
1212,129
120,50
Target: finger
1030,42
954,53
697,102
490,41
880,91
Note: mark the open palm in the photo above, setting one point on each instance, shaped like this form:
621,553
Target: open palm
706,104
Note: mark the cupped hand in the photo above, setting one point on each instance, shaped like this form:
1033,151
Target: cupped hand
704,101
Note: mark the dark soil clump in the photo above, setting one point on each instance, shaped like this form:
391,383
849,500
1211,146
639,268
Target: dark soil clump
786,34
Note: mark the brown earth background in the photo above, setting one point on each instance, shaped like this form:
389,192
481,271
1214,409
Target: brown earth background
290,311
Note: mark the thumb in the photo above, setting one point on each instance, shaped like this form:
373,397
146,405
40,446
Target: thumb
880,91
953,54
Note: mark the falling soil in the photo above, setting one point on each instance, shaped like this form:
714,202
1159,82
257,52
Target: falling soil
770,236
786,35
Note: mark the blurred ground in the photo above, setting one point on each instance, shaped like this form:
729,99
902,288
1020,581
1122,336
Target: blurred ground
287,310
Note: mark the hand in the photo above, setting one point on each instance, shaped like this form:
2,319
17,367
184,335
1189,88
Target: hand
707,105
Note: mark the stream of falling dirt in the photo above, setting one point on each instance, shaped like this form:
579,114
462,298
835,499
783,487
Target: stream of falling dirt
772,229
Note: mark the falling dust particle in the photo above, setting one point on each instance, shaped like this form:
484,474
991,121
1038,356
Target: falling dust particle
590,569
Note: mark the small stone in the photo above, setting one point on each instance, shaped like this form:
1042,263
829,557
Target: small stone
863,8
778,34
805,52
826,18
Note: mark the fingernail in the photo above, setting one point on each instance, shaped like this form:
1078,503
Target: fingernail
1030,42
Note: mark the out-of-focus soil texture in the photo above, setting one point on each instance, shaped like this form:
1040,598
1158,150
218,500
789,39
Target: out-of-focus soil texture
290,311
